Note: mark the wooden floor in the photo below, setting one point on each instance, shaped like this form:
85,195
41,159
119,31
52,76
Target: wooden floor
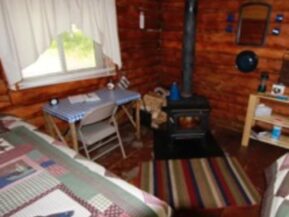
254,160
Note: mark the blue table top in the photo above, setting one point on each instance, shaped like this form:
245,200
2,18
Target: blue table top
75,112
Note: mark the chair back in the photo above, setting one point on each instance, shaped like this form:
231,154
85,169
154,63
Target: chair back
99,113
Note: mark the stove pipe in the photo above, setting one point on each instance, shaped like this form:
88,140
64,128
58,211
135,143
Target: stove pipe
188,46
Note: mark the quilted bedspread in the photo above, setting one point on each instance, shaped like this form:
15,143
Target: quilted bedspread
40,176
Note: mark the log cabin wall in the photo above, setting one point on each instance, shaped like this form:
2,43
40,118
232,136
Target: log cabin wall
151,54
140,56
215,75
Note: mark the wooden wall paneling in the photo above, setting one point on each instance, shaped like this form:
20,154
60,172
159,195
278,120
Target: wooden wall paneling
4,97
171,49
4,101
25,112
280,6
171,61
43,94
153,56
152,4
139,45
140,48
144,80
172,75
207,5
3,87
135,36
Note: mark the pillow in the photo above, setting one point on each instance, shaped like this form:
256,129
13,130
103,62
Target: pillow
285,163
283,210
276,198
3,128
10,122
283,190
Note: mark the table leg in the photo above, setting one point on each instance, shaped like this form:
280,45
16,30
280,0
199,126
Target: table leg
56,129
134,121
130,117
137,119
48,125
73,136
249,122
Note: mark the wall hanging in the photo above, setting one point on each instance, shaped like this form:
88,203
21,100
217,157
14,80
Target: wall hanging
246,61
230,21
253,23
278,20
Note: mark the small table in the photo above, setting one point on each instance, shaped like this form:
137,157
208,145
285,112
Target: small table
72,113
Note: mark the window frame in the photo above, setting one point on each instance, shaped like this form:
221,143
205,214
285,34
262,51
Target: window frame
69,75
47,80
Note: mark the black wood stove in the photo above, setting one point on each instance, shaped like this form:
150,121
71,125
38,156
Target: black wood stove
188,117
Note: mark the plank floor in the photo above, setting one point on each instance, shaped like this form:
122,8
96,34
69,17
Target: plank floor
254,160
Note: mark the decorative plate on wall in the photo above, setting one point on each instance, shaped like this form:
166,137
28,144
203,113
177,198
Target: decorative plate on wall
246,61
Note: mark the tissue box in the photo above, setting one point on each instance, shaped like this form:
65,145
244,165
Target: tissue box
263,110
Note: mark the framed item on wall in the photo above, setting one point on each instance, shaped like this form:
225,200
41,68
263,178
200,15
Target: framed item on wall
253,23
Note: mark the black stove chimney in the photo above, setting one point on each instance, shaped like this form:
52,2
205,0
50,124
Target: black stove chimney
188,47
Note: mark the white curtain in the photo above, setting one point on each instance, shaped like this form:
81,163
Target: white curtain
29,26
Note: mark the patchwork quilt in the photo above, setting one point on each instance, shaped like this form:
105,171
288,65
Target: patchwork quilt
41,177
276,198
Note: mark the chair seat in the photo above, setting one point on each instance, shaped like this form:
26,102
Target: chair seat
97,132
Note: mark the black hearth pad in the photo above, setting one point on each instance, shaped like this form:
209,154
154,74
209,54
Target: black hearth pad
165,148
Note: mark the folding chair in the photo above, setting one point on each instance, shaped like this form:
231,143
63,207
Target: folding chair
98,129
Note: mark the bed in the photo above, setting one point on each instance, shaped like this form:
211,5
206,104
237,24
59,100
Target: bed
40,176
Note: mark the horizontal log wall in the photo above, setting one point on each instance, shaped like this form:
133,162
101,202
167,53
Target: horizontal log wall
140,56
215,75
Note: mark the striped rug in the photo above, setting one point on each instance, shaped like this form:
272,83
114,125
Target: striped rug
205,182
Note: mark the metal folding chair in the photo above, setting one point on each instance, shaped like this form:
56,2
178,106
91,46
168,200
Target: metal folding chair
98,131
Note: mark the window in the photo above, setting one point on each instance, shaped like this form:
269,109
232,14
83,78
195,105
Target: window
71,54
34,53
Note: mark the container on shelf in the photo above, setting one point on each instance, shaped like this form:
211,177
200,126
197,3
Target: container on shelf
276,132
264,78
263,110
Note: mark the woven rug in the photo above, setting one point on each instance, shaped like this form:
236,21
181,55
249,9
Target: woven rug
204,182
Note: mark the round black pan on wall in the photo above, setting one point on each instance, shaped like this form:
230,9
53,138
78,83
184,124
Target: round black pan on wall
246,61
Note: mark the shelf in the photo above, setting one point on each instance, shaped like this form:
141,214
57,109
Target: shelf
283,142
272,97
274,119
